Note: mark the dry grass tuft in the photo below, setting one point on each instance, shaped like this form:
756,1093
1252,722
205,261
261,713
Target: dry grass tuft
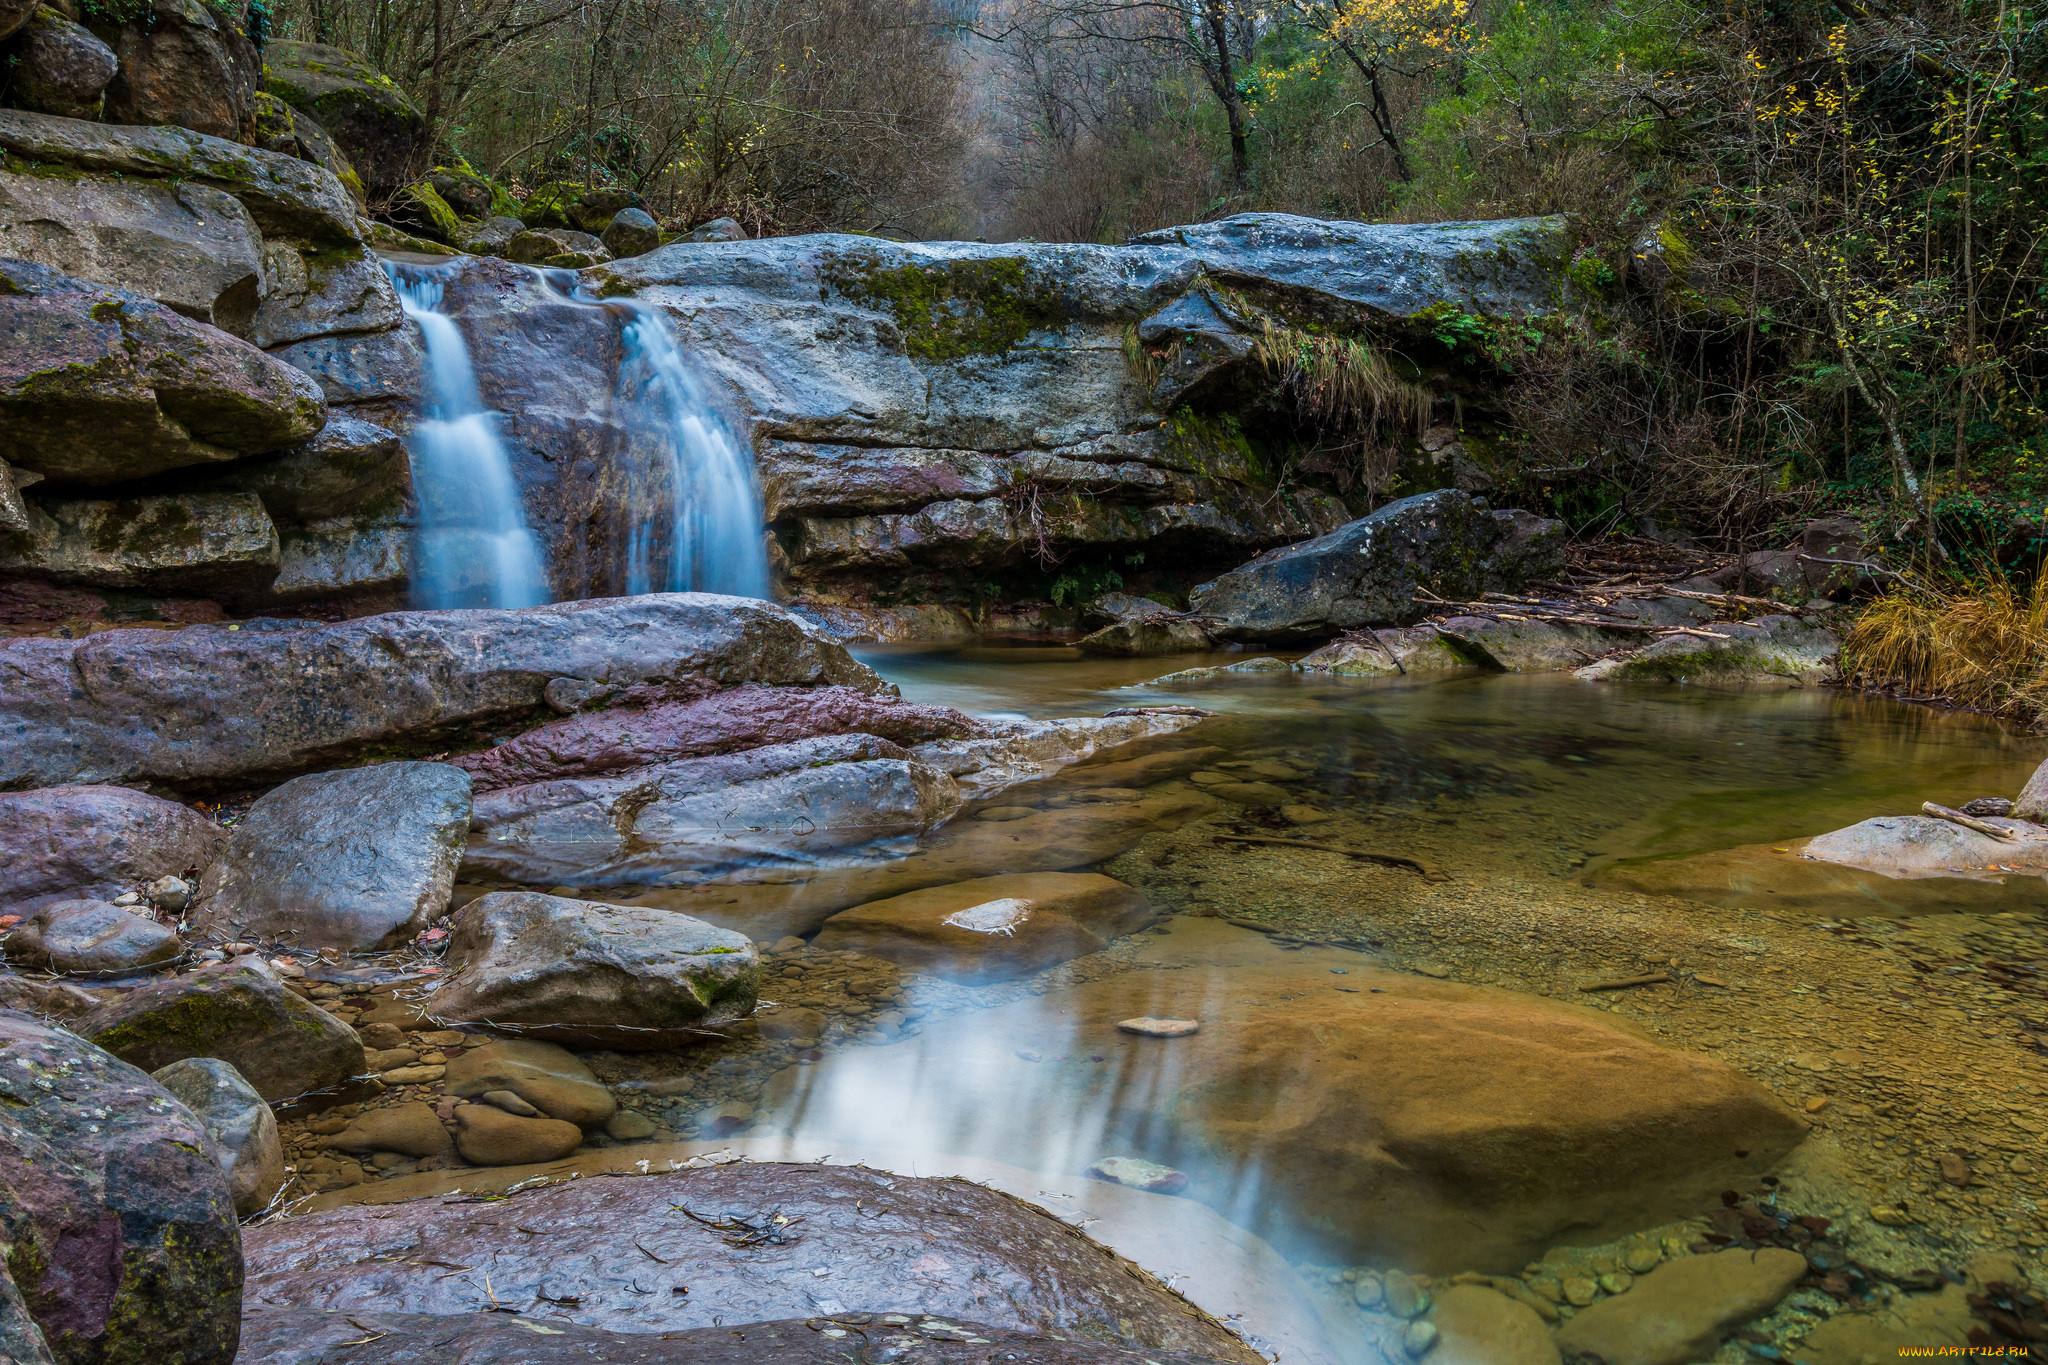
1340,382
1983,646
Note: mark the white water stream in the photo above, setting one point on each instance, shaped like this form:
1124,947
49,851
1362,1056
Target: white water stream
472,546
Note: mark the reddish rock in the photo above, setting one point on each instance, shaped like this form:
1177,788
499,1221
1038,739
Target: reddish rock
120,1230
610,1254
68,843
300,1337
743,718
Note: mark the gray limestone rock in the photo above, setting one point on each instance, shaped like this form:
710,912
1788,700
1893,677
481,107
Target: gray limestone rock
240,1123
211,705
1369,572
360,859
90,938
616,976
88,842
631,232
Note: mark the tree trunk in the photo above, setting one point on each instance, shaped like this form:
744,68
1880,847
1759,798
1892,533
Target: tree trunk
1223,79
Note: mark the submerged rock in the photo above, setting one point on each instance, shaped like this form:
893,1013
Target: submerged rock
545,1076
240,1123
1531,646
281,1044
488,1136
92,937
94,843
1369,572
946,1246
1262,664
208,706
992,927
1009,754
411,1129
1479,1326
121,1233
359,859
612,976
1681,1311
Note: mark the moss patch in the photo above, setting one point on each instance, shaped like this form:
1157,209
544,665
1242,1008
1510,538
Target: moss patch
952,309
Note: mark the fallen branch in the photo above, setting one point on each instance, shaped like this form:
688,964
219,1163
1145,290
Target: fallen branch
1430,871
1624,982
1956,817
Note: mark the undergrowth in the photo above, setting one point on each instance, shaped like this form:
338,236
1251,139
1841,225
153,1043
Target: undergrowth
1981,645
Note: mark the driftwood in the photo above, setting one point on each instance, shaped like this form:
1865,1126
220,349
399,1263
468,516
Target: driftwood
1956,817
1430,871
1623,983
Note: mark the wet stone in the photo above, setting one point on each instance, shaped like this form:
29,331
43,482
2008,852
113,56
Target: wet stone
1150,1027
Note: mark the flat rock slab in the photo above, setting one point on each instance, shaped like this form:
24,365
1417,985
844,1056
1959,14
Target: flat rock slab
281,1044
618,976
992,927
1771,649
121,1233
1913,846
806,801
359,859
306,1337
1396,650
209,706
1681,1311
888,1243
749,717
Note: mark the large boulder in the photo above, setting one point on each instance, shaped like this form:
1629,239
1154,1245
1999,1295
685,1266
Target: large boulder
15,14
944,1246
187,64
285,194
294,132
209,706
361,859
119,1228
631,232
1370,572
100,385
991,927
71,843
614,976
625,735
282,1045
365,112
92,937
799,802
239,1121
222,544
190,247
302,1337
60,67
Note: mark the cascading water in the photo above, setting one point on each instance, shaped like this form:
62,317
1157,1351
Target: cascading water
472,547
712,540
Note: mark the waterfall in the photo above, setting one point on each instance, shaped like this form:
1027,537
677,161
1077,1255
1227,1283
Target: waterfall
472,547
713,507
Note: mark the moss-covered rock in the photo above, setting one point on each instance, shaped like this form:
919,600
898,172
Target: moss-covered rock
469,194
215,543
381,130
280,1043
548,205
949,309
420,209
292,132
120,1235
100,385
592,210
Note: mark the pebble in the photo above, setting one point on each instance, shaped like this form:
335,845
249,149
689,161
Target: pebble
414,1075
1405,1298
1433,969
1580,1290
1418,1338
1135,1173
510,1103
1151,1026
1305,815
630,1126
1368,1292
1617,1282
1005,813
1641,1259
